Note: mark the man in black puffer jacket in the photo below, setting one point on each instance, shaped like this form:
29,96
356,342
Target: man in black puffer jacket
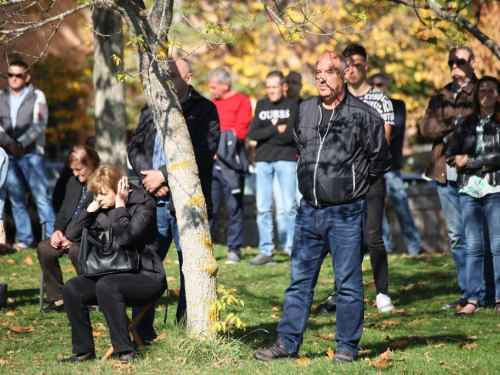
342,146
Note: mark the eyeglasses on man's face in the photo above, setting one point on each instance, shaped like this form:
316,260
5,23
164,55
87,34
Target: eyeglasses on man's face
12,75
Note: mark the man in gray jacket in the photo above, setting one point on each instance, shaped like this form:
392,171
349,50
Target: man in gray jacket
23,119
342,146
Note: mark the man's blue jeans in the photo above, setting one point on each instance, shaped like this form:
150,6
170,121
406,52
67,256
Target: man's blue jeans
340,231
474,210
450,204
28,171
397,194
284,172
167,231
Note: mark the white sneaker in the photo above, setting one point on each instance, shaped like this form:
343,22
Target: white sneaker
384,303
20,245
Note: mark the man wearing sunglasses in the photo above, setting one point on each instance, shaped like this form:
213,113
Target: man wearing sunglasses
438,125
23,119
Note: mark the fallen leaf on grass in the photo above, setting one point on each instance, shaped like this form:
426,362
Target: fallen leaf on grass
274,316
438,346
302,361
11,313
275,308
28,260
170,278
470,346
3,362
99,327
398,344
325,337
21,329
440,301
96,334
380,364
69,270
11,261
386,354
168,260
161,336
184,361
419,320
10,300
391,322
364,269
330,354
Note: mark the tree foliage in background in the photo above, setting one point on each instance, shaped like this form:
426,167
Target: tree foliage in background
289,35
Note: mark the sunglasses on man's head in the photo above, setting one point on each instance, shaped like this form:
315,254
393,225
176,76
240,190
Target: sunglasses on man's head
456,61
10,75
379,84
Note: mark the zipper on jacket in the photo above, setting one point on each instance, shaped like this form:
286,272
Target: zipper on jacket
353,178
321,140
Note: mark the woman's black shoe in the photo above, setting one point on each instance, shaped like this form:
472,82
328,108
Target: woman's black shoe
127,357
78,358
53,307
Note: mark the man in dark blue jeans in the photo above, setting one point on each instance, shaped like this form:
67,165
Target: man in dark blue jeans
342,146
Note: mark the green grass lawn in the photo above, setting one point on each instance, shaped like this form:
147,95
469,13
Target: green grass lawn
425,338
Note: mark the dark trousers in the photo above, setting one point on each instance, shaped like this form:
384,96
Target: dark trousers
49,262
112,293
234,204
375,200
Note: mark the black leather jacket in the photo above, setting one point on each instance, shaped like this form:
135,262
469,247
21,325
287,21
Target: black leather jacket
463,142
338,168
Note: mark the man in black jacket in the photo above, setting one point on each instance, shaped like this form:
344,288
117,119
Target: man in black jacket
342,147
146,156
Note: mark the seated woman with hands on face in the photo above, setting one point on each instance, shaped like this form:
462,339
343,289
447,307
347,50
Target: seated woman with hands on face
131,214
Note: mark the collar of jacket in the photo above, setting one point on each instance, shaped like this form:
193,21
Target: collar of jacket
468,88
342,102
136,196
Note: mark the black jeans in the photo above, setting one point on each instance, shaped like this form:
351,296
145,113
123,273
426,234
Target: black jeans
113,293
234,204
375,200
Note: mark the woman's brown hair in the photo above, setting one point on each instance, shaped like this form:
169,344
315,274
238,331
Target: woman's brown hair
476,107
85,155
105,176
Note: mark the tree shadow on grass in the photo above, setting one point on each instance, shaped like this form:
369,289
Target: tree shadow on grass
262,335
23,297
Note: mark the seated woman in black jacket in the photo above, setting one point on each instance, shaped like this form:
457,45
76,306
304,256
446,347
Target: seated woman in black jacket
131,213
474,150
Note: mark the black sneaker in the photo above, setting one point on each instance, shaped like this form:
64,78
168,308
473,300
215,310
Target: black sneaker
329,306
275,351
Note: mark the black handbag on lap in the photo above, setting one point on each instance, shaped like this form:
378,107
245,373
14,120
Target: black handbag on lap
104,256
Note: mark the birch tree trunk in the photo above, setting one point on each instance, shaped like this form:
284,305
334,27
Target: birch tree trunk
200,267
109,96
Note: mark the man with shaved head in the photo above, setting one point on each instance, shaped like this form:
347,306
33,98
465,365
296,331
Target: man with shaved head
342,147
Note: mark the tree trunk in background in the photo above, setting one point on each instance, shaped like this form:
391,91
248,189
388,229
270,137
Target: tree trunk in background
110,118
